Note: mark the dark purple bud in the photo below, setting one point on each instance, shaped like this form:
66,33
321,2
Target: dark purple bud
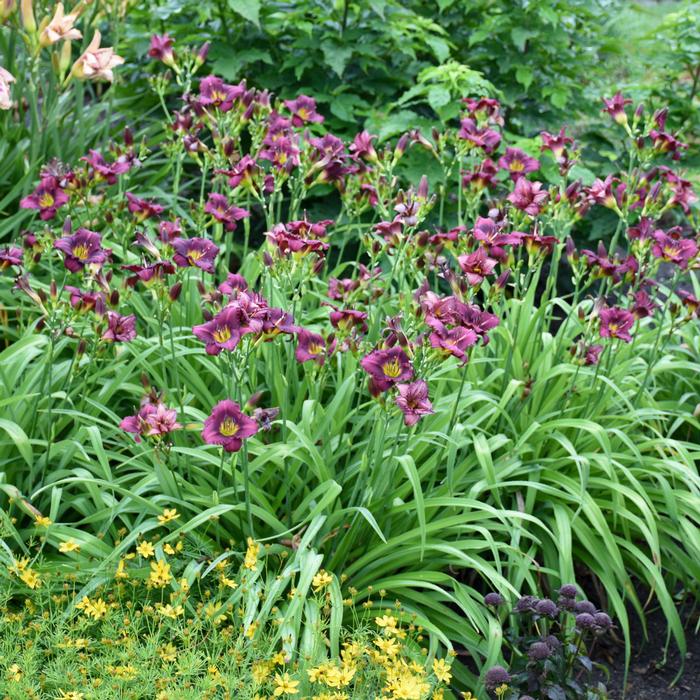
203,52
552,642
82,346
114,298
526,604
128,137
267,259
493,599
568,590
585,606
603,620
174,291
585,621
547,607
496,676
539,651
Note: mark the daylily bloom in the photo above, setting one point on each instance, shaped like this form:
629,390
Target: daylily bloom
218,206
214,92
643,305
346,319
556,144
86,301
161,49
149,273
518,163
615,107
312,346
303,111
616,323
482,108
60,28
672,248
489,233
224,331
48,197
601,192
152,420
413,401
195,252
483,176
228,426
143,209
119,328
82,248
96,63
452,341
362,147
107,171
485,138
386,368
242,172
5,79
476,266
289,240
11,256
168,231
528,196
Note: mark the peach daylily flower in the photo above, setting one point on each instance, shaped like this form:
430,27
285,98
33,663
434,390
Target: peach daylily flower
5,79
60,27
96,63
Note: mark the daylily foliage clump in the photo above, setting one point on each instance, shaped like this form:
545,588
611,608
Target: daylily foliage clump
291,333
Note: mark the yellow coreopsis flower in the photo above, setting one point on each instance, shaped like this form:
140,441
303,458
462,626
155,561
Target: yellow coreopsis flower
441,669
121,572
14,673
69,546
168,653
168,515
160,574
170,611
30,578
251,555
388,646
387,622
42,521
284,685
321,580
146,549
70,695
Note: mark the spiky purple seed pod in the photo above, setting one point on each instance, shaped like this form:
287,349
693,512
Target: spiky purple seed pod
526,604
547,607
603,620
568,590
496,676
539,651
585,621
585,606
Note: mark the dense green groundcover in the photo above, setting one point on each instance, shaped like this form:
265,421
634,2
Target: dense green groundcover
265,391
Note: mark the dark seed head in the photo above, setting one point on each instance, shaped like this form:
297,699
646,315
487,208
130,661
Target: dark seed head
568,590
493,599
585,621
496,676
585,606
547,607
539,651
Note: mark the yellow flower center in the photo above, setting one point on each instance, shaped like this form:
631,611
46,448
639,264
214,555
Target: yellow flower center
218,96
517,166
80,252
222,334
195,255
282,158
303,113
392,369
613,327
228,427
46,200
315,349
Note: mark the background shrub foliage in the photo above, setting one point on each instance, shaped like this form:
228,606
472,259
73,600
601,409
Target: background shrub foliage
384,356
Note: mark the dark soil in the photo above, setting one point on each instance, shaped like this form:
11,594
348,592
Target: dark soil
649,678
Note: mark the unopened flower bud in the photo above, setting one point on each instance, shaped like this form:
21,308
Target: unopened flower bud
27,12
267,259
174,291
114,298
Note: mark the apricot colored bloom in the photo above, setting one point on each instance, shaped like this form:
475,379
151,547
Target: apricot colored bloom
228,426
96,63
168,515
68,546
145,549
284,685
59,28
5,79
